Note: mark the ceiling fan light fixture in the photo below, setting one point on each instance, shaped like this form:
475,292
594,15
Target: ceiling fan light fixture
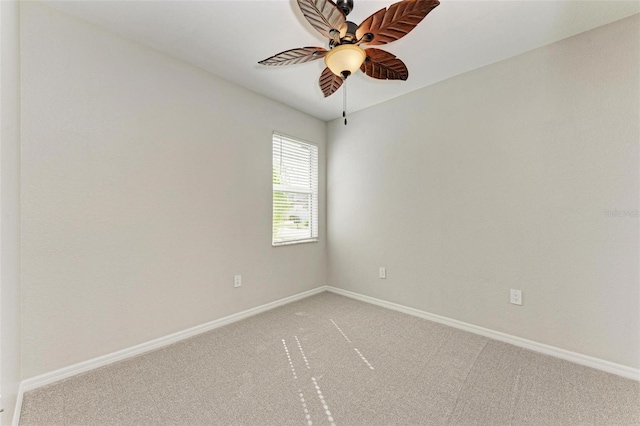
345,56
345,59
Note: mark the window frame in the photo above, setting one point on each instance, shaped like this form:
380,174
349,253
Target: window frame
297,190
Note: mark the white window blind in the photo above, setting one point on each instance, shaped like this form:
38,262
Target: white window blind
295,191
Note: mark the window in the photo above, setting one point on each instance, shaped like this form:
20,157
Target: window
295,191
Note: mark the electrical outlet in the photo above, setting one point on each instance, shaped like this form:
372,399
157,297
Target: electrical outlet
516,297
382,272
237,280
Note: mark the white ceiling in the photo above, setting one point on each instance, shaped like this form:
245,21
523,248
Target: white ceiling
228,38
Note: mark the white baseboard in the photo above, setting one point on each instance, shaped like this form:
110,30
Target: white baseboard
54,376
589,361
18,408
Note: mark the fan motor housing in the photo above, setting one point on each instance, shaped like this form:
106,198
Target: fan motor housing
350,36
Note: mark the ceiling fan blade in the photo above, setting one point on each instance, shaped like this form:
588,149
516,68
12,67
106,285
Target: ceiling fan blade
329,82
387,25
295,56
384,65
324,15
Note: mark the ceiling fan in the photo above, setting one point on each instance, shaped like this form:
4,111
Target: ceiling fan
345,54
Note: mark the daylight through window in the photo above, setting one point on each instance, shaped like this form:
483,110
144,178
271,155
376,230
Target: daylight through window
295,191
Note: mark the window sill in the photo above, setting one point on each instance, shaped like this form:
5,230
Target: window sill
289,243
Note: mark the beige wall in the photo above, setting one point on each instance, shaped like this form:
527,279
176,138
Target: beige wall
9,207
496,179
146,185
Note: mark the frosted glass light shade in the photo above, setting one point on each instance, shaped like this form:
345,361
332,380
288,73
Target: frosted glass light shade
346,57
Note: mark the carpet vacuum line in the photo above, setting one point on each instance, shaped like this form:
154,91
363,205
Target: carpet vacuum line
356,349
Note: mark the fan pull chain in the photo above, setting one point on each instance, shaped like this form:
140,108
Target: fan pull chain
344,101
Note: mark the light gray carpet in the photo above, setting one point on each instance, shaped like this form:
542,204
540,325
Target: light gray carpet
331,360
